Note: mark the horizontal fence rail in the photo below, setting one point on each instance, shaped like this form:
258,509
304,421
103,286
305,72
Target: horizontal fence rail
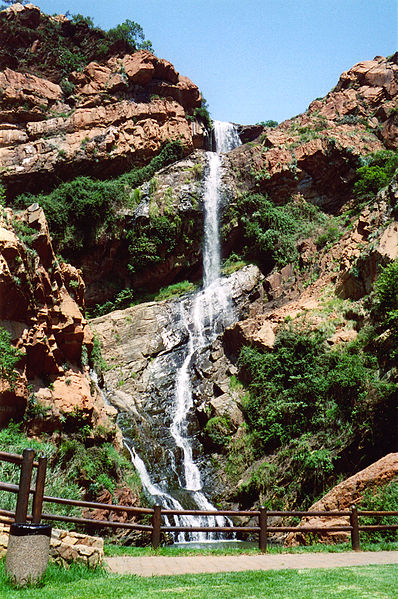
262,528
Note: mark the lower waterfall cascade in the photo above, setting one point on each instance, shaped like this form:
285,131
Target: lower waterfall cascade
203,316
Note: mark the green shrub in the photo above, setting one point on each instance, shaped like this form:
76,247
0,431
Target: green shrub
132,34
79,19
3,197
93,468
219,429
304,387
385,306
124,299
79,210
96,360
174,291
57,482
386,289
375,173
270,123
150,242
203,115
383,499
74,471
9,357
269,233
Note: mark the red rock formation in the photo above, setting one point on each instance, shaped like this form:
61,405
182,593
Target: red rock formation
316,153
122,110
343,496
45,322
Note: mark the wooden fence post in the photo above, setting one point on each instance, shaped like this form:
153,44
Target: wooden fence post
156,523
21,510
355,530
263,534
39,491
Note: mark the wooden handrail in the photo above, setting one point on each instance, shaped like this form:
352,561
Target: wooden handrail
156,528
14,458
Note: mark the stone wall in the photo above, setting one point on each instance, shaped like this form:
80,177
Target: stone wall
66,547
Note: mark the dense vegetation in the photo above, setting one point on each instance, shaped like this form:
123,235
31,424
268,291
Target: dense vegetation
375,173
64,46
80,211
303,387
310,407
79,465
269,233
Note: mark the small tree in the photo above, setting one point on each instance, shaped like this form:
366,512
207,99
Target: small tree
131,33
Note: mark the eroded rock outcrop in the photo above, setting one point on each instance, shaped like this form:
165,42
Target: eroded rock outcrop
316,153
40,307
122,110
349,268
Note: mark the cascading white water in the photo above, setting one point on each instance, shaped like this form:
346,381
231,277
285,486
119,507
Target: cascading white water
226,136
203,318
211,309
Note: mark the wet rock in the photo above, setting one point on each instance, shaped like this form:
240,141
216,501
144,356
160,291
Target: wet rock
144,361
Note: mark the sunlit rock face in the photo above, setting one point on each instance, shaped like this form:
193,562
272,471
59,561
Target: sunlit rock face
121,111
40,307
316,153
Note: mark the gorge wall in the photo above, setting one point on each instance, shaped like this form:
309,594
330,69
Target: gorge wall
115,112
111,118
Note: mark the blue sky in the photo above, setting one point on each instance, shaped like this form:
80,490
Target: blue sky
254,60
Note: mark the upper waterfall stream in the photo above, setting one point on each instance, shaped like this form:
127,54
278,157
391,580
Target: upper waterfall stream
203,317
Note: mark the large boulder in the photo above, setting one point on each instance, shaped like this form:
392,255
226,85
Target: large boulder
343,496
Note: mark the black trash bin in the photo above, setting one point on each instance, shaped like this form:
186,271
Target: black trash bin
27,552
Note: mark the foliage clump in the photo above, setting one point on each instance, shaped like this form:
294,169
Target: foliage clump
375,173
201,113
9,357
385,309
132,34
307,407
383,499
303,386
79,210
269,233
65,46
79,467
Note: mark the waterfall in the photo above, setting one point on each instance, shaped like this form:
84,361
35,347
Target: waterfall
203,318
226,136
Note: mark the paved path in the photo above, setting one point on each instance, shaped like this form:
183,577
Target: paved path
195,564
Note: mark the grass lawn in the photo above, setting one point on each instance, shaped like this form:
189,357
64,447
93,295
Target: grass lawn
226,549
373,582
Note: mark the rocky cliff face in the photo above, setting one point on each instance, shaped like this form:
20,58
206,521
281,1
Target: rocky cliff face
112,113
144,346
316,153
116,111
174,193
40,306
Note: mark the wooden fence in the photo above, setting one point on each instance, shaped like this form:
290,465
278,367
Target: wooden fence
262,529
